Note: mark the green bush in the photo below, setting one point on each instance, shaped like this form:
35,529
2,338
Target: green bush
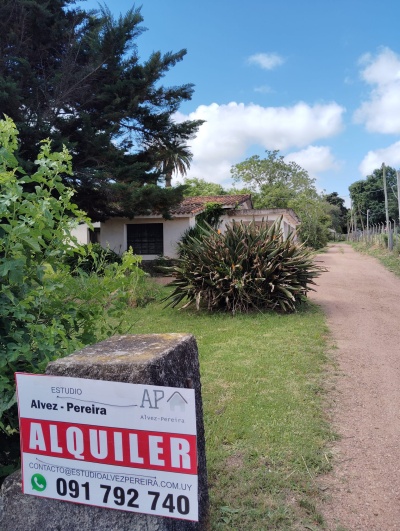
314,235
91,258
247,267
45,312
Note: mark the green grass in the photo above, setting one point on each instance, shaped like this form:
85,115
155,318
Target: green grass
391,260
266,435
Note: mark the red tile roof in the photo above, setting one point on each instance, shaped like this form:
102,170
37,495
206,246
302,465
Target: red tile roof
195,205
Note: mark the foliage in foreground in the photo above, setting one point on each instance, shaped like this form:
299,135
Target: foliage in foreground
45,312
247,267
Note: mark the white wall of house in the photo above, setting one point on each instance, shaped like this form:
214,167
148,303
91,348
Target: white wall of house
173,230
81,233
288,223
113,233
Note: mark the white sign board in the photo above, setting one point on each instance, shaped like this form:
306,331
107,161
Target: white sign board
117,445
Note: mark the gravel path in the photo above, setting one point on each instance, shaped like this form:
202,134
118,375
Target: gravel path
361,300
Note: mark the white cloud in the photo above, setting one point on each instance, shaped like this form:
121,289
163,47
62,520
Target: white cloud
230,130
381,112
314,159
373,160
266,61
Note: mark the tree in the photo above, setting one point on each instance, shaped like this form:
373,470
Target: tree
338,212
171,156
367,194
273,180
276,183
75,77
196,186
315,218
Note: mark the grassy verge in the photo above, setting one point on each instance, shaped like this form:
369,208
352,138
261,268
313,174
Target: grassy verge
390,260
265,430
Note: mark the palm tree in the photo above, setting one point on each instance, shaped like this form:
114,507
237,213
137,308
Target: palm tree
172,155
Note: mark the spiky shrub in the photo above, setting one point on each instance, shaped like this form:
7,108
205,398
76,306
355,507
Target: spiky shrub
247,267
210,217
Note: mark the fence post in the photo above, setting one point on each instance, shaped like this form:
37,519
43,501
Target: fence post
390,237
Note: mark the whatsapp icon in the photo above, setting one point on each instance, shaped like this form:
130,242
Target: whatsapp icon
38,482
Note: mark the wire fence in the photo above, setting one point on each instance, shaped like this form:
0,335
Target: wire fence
381,235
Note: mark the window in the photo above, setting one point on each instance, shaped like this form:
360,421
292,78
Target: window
94,235
146,238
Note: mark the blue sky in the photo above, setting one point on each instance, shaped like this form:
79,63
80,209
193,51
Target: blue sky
317,79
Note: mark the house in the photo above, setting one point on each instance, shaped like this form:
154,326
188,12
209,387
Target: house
151,236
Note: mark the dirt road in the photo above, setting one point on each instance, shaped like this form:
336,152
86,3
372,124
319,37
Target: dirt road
362,302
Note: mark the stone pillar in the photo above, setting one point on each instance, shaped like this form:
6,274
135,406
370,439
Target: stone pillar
156,359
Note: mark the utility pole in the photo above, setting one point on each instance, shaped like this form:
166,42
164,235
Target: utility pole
388,231
386,196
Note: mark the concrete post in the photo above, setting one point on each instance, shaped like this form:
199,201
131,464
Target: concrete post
156,359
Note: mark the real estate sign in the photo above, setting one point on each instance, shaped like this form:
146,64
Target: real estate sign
117,445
